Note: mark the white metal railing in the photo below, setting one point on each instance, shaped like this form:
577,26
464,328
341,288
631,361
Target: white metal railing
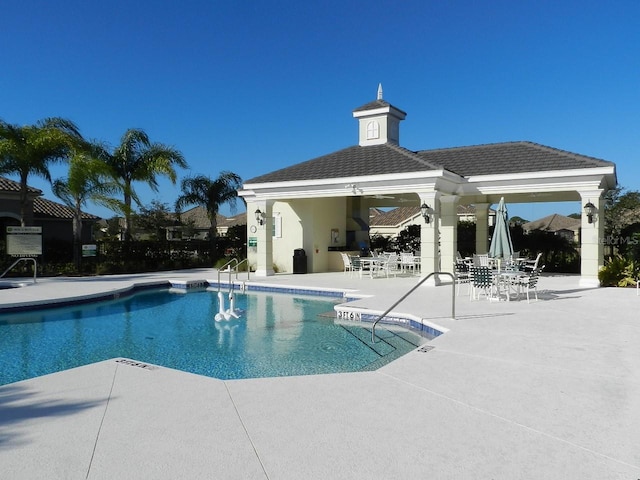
453,300
23,259
233,269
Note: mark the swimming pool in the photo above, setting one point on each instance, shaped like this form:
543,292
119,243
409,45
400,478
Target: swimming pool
276,335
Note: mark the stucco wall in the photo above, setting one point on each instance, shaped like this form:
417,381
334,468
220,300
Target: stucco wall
307,224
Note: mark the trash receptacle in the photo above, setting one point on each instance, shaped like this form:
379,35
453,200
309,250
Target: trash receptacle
299,261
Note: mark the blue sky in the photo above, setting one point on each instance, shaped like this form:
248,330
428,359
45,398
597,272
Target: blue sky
252,86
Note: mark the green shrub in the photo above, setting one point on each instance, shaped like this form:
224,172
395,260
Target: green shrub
619,272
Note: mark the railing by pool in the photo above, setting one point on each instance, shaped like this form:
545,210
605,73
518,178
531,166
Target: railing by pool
23,259
453,300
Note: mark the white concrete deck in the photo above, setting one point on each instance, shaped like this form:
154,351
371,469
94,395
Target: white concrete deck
546,390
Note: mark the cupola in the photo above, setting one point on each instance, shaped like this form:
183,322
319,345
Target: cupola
379,122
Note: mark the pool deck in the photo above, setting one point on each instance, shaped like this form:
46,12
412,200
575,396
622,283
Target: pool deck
513,390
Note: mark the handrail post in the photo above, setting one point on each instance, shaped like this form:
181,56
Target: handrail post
453,300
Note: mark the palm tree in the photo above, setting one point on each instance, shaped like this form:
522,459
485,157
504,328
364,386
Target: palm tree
136,159
210,194
29,149
90,179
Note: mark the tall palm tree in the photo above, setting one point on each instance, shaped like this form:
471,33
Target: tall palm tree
30,149
90,179
210,194
136,159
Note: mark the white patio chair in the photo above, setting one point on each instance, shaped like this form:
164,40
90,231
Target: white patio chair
356,264
481,260
482,282
407,262
388,266
529,283
348,267
462,275
531,265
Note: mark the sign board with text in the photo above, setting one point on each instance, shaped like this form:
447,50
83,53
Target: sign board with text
24,241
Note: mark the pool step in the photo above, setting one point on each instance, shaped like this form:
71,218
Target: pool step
389,342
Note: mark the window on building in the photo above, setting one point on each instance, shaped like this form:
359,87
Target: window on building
276,226
373,130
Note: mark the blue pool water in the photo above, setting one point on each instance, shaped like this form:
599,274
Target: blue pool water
277,335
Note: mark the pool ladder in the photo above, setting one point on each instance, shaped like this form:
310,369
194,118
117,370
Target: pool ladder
453,300
232,269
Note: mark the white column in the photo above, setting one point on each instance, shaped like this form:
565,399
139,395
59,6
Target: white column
429,239
592,244
264,258
448,232
482,227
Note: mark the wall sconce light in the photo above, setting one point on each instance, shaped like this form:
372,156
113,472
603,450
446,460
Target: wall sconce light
260,216
591,211
426,212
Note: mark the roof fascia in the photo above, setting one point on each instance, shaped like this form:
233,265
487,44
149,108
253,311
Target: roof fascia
544,174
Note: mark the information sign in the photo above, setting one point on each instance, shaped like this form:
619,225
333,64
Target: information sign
24,241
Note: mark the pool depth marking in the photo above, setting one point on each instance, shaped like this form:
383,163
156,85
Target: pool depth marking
133,363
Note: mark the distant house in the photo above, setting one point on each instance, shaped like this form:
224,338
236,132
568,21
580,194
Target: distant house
392,222
55,219
196,224
560,225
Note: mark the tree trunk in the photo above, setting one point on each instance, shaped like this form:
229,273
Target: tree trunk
23,199
77,238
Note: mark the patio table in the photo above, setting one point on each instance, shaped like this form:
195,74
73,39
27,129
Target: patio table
370,263
506,282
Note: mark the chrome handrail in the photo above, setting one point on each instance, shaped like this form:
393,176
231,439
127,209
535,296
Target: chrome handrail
453,300
23,259
234,268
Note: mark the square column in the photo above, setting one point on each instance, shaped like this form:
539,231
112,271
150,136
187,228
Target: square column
592,244
430,239
482,227
264,248
448,232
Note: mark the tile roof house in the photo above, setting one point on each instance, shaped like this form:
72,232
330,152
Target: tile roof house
392,222
314,199
566,227
55,218
199,220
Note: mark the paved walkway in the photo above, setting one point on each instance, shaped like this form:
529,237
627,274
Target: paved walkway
545,390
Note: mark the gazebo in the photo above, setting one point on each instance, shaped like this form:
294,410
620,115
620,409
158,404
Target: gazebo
322,205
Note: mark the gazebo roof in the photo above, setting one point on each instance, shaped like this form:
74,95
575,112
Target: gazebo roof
388,158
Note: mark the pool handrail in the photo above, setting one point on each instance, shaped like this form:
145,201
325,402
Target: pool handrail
234,268
23,259
453,300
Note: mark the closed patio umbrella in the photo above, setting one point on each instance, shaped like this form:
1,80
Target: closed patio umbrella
501,246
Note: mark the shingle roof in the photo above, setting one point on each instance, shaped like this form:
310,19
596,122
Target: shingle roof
489,159
510,157
46,208
7,185
351,162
